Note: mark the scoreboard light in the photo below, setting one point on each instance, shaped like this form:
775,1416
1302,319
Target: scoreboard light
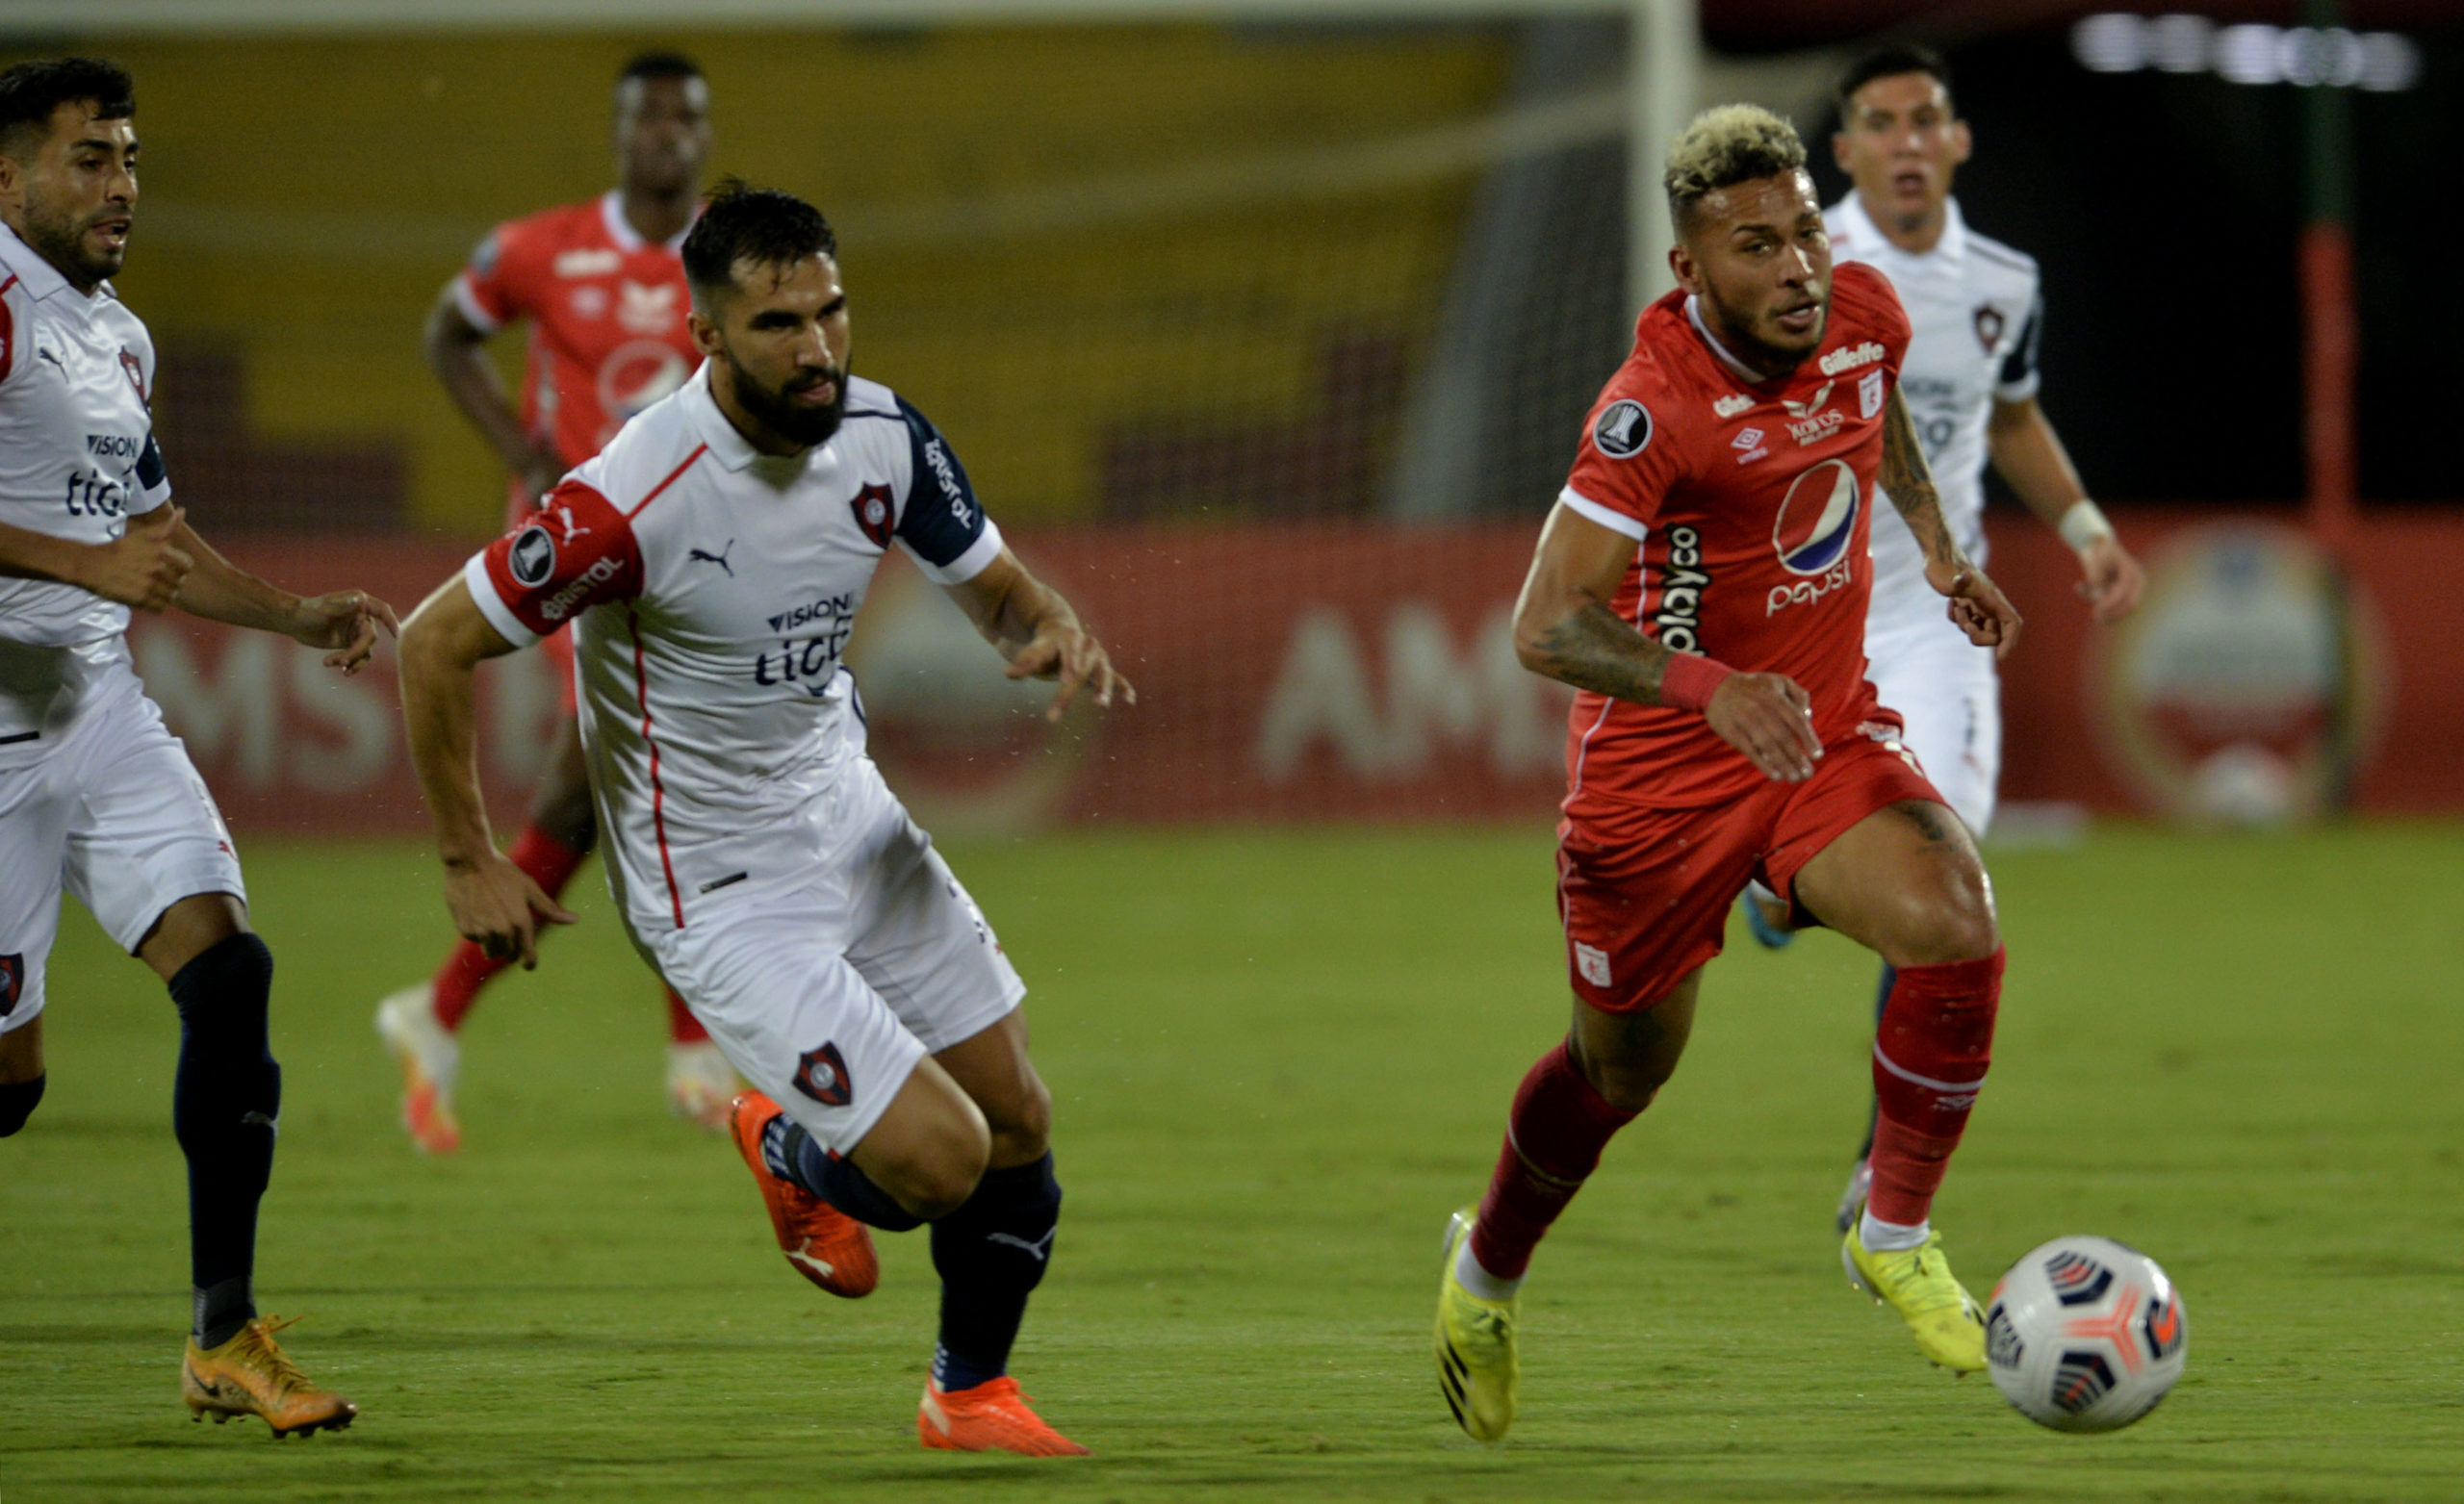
2305,57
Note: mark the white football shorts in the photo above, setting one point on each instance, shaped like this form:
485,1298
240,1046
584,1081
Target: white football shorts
1945,690
114,810
824,988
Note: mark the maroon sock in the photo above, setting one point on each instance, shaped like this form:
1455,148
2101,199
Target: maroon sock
548,862
1553,1136
683,1027
1931,1052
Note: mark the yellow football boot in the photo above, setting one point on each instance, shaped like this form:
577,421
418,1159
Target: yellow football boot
1917,1283
251,1375
1475,1367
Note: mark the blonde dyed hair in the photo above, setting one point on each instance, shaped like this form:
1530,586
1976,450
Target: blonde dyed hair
1722,146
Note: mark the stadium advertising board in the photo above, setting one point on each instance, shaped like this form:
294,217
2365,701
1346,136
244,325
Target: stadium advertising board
1368,673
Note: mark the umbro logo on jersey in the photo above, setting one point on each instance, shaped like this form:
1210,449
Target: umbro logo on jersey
1746,439
586,263
720,558
1624,429
1848,357
532,558
1731,405
871,506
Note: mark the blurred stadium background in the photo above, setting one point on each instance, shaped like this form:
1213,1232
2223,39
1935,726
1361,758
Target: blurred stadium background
1266,327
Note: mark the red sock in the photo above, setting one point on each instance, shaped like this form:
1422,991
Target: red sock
683,1027
548,862
1931,1052
1553,1136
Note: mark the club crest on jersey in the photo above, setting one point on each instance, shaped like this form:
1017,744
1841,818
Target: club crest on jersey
532,558
1988,326
871,506
1869,394
1818,518
1624,429
13,980
822,1075
136,374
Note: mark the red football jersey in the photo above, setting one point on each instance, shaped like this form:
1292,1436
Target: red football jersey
607,311
1753,502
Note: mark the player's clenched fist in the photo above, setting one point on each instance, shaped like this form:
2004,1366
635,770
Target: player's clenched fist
1978,606
143,566
497,908
1770,719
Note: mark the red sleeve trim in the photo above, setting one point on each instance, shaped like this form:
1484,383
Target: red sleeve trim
576,553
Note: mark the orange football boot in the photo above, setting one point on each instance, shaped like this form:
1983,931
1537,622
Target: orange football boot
826,1245
990,1418
251,1375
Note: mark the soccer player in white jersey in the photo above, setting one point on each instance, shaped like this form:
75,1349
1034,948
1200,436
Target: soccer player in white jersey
1970,381
96,794
712,559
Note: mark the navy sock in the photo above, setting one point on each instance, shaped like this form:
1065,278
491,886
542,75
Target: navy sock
17,1100
991,1253
1873,1110
794,1155
225,1096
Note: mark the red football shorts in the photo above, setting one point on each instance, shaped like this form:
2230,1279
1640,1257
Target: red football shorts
1645,893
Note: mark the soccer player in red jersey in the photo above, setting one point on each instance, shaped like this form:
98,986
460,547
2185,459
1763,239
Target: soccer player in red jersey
603,288
1702,582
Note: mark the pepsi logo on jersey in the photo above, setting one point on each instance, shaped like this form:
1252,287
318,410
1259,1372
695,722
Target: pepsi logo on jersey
1624,429
1816,524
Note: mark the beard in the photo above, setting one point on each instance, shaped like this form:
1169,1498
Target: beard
59,237
1744,340
794,422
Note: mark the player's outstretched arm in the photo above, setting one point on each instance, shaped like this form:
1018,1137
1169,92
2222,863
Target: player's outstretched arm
344,620
1977,605
455,352
1565,629
2030,456
141,568
495,905
1034,628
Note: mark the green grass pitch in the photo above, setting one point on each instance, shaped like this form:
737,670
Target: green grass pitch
1279,1061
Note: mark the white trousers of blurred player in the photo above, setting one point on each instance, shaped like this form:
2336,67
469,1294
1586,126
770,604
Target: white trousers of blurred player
1948,693
111,808
824,985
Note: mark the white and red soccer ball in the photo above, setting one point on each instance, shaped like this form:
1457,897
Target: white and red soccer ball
2085,1334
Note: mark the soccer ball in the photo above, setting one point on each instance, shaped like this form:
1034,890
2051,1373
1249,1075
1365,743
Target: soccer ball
2085,1334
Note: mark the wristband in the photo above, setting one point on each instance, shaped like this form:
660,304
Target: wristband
2083,524
1688,681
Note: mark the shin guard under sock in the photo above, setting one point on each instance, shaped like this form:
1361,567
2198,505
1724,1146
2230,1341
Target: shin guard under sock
18,1099
1553,1136
991,1253
545,860
794,1155
1931,1052
225,1097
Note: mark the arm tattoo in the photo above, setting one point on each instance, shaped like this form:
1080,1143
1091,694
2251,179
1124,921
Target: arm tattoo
1595,649
1910,482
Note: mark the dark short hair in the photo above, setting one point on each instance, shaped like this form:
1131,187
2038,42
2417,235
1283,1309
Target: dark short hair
648,66
1889,61
761,225
31,92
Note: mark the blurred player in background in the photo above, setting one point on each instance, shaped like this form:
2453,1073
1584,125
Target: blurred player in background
97,795
1718,510
603,288
1970,382
714,559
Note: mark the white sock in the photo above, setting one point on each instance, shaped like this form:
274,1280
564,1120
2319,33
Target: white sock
1468,1274
1881,1237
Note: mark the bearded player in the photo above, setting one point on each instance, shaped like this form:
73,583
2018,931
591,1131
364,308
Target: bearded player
759,859
1702,582
97,795
603,288
1970,381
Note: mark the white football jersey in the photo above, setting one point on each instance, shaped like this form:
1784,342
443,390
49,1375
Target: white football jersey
1977,313
77,458
712,589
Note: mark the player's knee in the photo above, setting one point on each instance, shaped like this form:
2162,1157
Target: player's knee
940,1177
1626,1087
17,1102
1022,1127
1946,917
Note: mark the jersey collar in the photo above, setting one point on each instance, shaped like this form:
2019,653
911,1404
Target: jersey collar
730,449
1720,352
611,214
38,277
1866,239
